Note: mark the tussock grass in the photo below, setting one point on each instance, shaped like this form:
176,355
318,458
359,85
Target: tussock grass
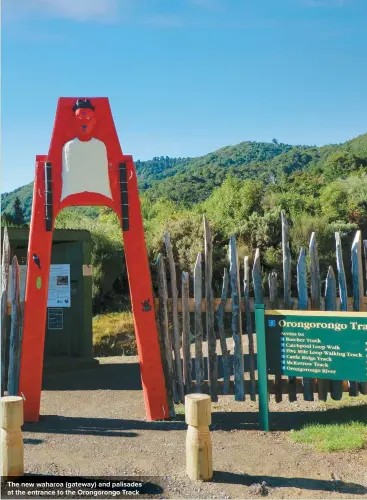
331,437
113,334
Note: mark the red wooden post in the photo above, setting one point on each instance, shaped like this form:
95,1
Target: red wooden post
35,305
142,301
86,127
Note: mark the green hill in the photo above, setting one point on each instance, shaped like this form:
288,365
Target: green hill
148,172
192,180
178,171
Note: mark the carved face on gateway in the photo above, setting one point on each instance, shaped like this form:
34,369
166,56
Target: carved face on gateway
84,118
84,158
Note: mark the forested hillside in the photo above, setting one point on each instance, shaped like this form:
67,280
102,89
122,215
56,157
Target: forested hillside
241,189
24,193
180,173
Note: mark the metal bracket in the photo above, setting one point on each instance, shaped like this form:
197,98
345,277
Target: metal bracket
124,197
48,196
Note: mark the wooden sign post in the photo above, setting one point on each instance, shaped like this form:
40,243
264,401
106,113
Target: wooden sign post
199,463
12,448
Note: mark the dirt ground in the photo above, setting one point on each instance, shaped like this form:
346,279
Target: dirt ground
93,424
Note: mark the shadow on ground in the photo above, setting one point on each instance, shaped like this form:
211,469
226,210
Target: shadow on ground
126,377
221,421
32,441
113,377
117,376
290,482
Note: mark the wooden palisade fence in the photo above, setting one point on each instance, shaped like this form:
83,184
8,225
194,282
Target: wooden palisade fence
10,355
187,375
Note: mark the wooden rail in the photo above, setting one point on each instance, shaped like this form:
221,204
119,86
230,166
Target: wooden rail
273,386
228,304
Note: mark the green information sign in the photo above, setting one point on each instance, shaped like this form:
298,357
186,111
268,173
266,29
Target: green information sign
310,344
317,344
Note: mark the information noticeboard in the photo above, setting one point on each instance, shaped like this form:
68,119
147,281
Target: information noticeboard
59,294
317,344
55,319
59,286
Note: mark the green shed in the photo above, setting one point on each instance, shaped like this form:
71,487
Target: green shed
69,332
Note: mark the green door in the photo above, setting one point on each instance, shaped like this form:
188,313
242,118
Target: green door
64,326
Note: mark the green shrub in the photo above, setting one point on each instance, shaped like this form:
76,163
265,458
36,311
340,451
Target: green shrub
113,335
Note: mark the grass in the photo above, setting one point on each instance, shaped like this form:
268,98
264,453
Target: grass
347,434
345,401
331,437
113,334
180,409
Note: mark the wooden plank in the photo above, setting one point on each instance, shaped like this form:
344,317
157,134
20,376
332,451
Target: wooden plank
358,288
336,386
316,300
357,272
210,333
344,302
274,301
308,383
287,262
271,386
15,332
165,338
236,322
186,343
287,282
175,321
198,293
315,275
4,302
330,290
248,327
302,281
228,306
222,335
341,275
256,279
273,290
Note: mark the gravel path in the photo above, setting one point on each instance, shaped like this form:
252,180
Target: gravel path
93,424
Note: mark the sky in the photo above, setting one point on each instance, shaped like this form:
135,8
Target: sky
184,77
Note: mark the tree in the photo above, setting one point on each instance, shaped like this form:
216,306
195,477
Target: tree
18,213
232,203
340,165
7,220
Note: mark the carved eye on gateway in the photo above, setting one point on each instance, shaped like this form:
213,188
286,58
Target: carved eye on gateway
84,114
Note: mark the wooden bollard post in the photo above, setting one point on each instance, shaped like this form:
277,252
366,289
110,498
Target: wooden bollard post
199,463
12,449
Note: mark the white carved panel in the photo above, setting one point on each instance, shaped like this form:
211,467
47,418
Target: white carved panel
85,168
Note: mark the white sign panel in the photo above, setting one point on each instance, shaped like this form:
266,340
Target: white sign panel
58,287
